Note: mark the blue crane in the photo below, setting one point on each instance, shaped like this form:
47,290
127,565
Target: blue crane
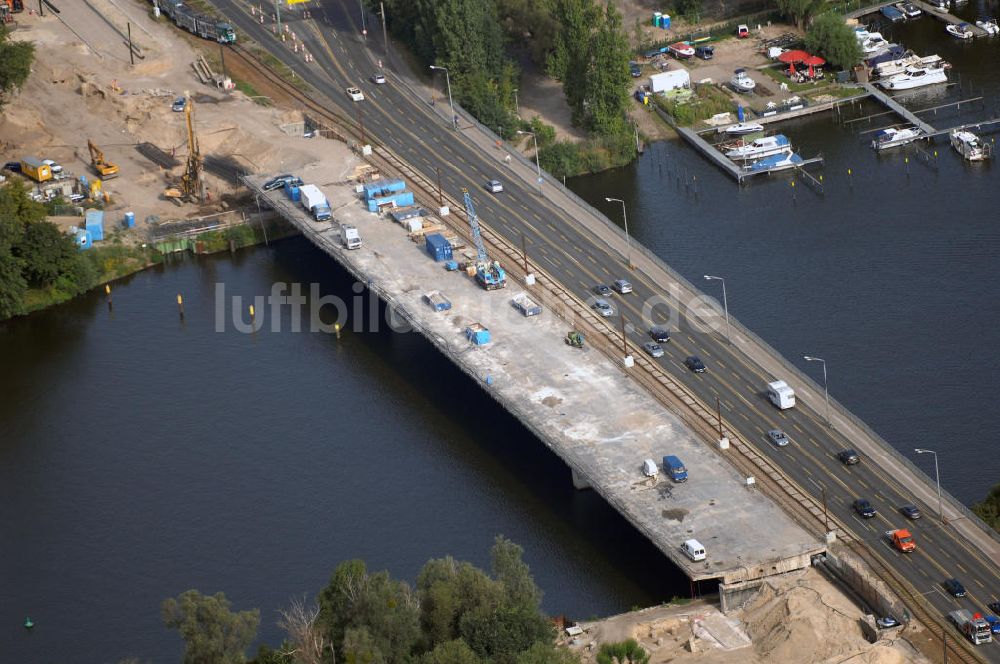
489,274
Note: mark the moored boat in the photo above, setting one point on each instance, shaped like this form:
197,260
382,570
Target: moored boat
989,25
960,31
742,128
681,50
914,77
969,146
775,162
892,13
742,82
761,147
909,9
893,137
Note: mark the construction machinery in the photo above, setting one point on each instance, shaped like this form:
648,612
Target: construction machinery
489,274
191,187
574,339
101,166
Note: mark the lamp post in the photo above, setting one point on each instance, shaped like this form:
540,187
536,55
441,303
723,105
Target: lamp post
937,478
628,242
538,165
725,304
826,392
517,110
447,78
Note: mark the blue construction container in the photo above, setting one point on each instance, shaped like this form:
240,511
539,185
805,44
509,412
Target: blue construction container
398,199
438,247
477,334
294,193
380,188
82,239
129,220
95,224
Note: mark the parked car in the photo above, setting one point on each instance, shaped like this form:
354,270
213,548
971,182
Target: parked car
602,290
695,364
53,166
848,457
778,437
910,511
652,349
864,508
994,606
659,334
179,105
494,186
705,52
279,181
602,307
12,166
742,31
622,286
954,587
634,69
355,94
994,623
378,79
887,622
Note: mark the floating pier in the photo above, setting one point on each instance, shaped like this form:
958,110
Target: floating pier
899,109
728,165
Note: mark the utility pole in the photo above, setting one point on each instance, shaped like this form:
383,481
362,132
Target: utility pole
222,55
131,53
277,15
826,514
624,338
41,11
718,414
385,33
524,251
440,195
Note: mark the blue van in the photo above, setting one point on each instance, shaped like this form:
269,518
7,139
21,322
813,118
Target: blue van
673,467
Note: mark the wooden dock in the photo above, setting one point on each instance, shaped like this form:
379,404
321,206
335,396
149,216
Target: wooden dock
925,8
898,108
728,165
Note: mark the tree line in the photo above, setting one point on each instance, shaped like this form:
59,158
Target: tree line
455,613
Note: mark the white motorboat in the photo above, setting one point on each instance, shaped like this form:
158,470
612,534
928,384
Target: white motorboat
960,31
893,137
989,25
743,128
939,5
969,146
742,82
914,77
873,44
760,147
893,67
909,9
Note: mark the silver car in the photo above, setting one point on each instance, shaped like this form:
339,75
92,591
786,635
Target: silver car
778,437
622,286
602,307
652,349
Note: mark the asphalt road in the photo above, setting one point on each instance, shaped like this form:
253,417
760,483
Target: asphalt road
405,123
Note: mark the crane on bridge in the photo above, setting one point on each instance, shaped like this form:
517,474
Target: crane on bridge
489,274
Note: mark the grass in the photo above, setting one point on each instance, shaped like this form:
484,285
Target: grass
778,75
707,101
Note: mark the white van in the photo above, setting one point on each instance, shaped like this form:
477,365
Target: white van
649,468
694,550
781,395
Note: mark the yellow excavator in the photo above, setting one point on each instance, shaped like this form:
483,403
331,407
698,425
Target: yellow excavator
191,187
104,168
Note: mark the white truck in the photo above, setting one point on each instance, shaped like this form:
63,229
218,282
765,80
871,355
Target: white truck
781,395
669,80
315,203
350,237
972,625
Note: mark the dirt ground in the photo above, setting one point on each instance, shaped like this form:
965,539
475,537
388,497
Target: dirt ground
75,93
800,617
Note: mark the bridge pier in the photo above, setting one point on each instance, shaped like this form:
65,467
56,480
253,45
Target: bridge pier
580,482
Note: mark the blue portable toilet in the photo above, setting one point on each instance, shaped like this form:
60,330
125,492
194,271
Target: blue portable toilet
294,193
129,220
438,247
739,112
665,21
95,225
82,239
656,19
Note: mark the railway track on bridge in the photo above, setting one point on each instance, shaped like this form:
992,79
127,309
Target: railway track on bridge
608,339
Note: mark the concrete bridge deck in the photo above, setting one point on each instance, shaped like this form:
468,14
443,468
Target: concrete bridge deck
579,403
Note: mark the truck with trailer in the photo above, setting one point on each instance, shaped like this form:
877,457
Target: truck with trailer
901,540
315,203
975,628
349,236
525,305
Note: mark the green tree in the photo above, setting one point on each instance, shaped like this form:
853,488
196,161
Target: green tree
359,647
547,653
212,633
46,253
688,8
451,652
570,58
989,509
12,284
834,40
513,574
624,652
16,57
799,11
501,633
531,23
608,78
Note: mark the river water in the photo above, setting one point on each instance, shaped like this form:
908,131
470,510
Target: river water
141,455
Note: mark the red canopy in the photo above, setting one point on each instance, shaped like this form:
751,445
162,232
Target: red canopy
791,57
813,61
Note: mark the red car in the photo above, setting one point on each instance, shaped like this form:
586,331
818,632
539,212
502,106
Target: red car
742,31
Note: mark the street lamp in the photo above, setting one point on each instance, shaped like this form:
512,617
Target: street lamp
937,478
725,305
826,392
447,78
538,165
628,243
516,109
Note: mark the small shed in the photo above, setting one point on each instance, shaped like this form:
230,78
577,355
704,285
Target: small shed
438,247
95,224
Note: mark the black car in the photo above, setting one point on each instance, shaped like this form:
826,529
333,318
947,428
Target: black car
848,457
12,166
603,291
864,508
705,52
634,69
954,587
659,334
695,364
994,606
910,511
280,181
